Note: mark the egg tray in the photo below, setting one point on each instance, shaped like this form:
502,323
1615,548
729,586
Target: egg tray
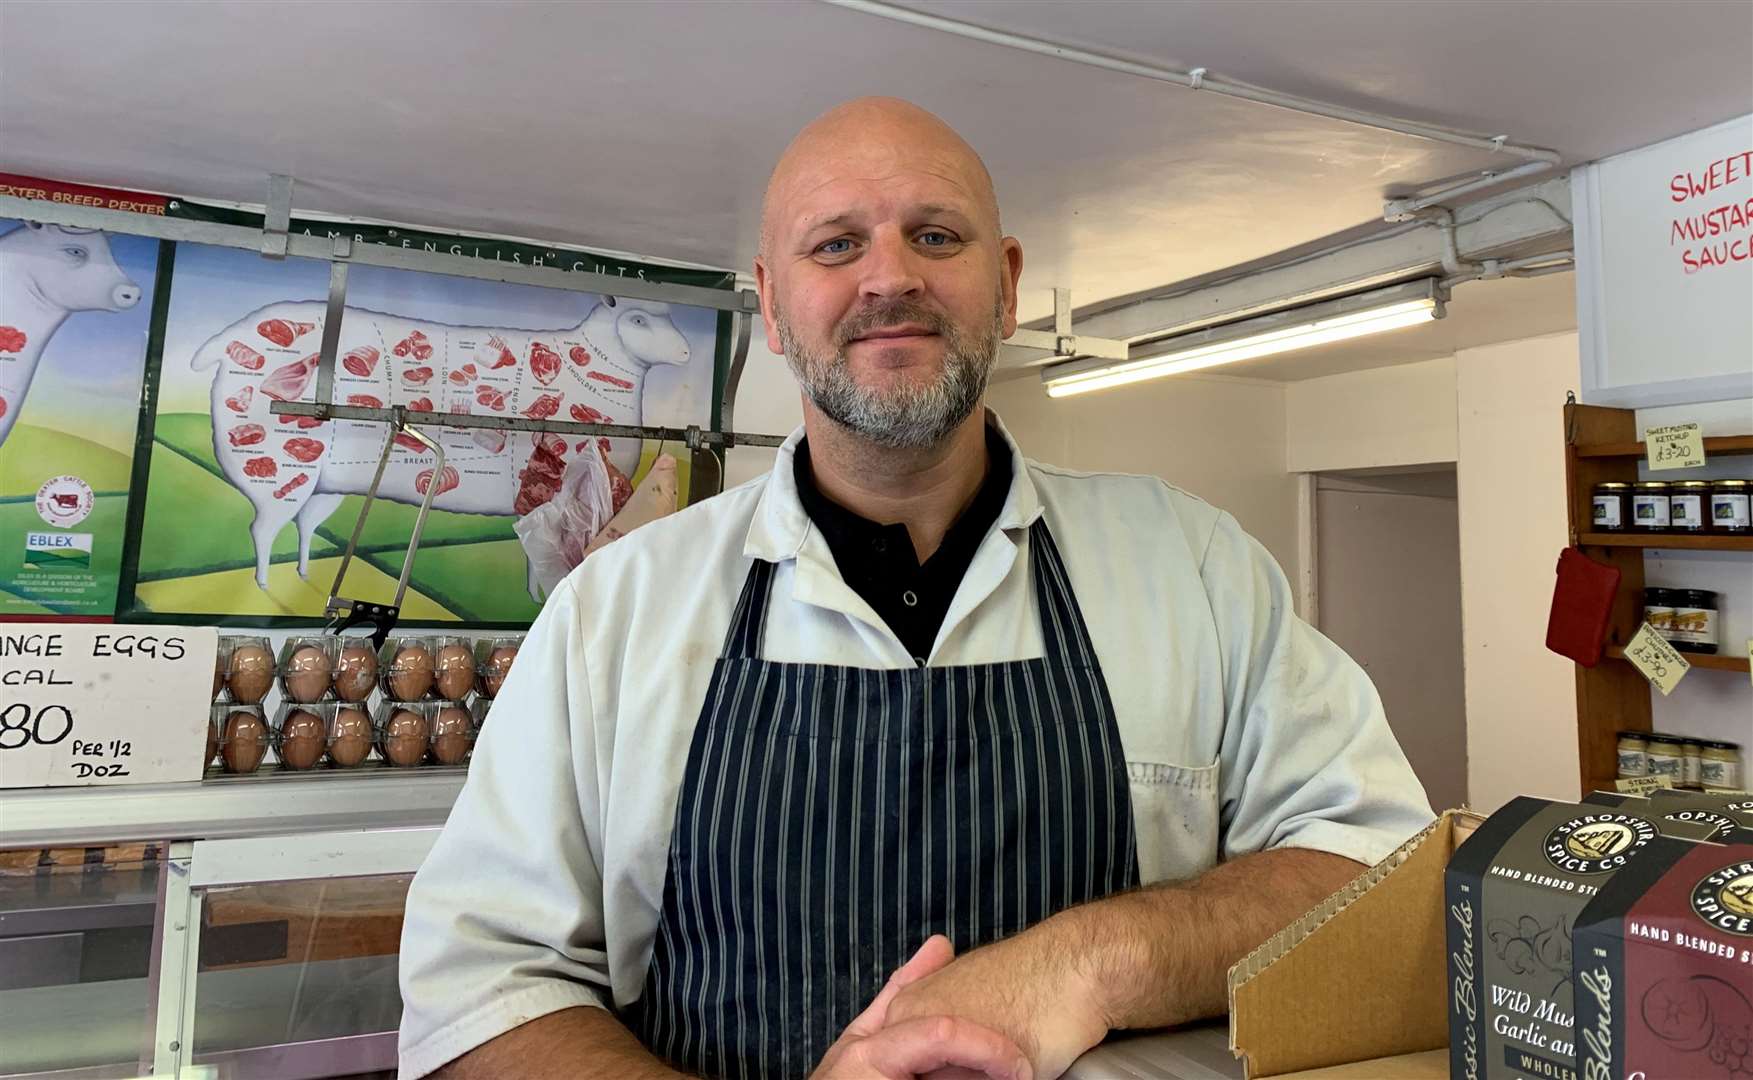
334,737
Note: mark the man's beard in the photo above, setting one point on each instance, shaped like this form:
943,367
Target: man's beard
907,416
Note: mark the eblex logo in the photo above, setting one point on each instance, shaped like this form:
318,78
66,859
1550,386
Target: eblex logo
1597,843
1725,899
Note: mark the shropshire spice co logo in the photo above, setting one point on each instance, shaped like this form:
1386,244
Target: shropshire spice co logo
1725,899
1597,843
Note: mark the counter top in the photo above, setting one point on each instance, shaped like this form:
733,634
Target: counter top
224,807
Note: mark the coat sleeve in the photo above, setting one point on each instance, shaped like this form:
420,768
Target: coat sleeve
504,920
1308,759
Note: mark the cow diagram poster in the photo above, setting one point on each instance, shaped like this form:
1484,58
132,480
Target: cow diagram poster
75,309
246,514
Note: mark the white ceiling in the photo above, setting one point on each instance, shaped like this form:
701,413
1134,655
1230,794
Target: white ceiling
650,128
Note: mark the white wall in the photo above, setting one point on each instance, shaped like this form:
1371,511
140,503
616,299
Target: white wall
1391,416
767,403
1217,437
1521,699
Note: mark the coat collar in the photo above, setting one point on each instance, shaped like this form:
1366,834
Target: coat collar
781,526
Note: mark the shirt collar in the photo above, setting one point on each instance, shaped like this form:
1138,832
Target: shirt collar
781,525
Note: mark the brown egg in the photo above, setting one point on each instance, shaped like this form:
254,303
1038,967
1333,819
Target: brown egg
212,743
411,673
497,667
252,673
451,735
246,741
455,672
302,739
356,674
405,738
307,674
350,739
218,673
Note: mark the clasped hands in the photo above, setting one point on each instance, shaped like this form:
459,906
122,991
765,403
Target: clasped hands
1019,1009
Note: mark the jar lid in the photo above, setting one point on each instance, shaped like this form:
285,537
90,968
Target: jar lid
1714,744
1704,598
1636,733
1612,485
1695,485
1733,483
1691,743
1656,737
1652,485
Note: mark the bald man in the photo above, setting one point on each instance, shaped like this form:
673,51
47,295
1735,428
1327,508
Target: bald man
911,756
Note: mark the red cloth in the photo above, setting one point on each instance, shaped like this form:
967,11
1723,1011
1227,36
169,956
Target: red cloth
1582,601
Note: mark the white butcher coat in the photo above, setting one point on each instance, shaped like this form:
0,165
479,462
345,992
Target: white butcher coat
1244,729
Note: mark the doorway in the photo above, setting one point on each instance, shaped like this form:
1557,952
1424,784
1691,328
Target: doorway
1388,592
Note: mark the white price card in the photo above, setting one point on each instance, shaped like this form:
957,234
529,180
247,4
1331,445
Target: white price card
1674,446
1661,663
1643,785
103,703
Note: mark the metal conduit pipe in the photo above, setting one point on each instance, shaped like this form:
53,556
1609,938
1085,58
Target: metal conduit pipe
1539,158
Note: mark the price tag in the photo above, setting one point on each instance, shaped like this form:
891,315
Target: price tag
1661,663
1643,785
1674,446
103,704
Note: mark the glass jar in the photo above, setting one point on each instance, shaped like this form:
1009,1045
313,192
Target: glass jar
1694,626
1658,610
1730,508
1666,756
1689,506
1634,758
1650,506
1691,763
1720,765
1609,515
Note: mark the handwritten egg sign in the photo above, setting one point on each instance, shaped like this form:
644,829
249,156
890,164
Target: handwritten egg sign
103,704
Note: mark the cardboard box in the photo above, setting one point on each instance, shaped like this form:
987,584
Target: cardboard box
1356,989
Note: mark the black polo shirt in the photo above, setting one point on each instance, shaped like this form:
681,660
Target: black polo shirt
878,562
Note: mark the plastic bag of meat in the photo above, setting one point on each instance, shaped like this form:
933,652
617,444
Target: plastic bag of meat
655,498
555,533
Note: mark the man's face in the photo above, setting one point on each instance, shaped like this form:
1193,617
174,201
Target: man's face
886,284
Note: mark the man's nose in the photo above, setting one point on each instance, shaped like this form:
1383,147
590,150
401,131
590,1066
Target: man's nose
891,267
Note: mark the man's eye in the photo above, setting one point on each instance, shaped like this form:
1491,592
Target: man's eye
840,246
936,239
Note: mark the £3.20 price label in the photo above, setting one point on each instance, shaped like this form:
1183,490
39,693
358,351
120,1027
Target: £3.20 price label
1659,661
1674,446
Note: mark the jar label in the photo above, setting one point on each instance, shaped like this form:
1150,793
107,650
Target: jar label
1607,512
1662,765
1688,510
1650,511
1727,510
1696,626
1633,763
1689,769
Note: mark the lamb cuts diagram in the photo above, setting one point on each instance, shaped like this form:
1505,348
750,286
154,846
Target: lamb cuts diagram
47,273
298,469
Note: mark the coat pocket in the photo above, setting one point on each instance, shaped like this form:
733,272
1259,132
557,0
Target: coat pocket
1175,817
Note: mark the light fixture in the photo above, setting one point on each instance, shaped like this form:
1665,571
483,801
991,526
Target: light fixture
1282,331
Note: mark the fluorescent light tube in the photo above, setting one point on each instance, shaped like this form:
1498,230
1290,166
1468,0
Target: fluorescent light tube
1300,328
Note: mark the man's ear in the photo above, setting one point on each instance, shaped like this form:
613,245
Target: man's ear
1010,270
764,288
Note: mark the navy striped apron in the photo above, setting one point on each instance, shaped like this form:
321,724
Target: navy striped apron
830,819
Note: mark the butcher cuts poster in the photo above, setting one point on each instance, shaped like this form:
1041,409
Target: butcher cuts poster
75,309
246,514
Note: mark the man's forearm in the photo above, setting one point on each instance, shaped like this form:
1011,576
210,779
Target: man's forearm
1161,955
572,1044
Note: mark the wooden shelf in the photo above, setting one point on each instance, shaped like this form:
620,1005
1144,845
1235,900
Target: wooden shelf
1713,444
1717,662
1672,541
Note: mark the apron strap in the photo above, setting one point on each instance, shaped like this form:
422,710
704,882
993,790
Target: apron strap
1064,636
748,624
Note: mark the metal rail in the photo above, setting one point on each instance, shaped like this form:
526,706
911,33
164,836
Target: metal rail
692,436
